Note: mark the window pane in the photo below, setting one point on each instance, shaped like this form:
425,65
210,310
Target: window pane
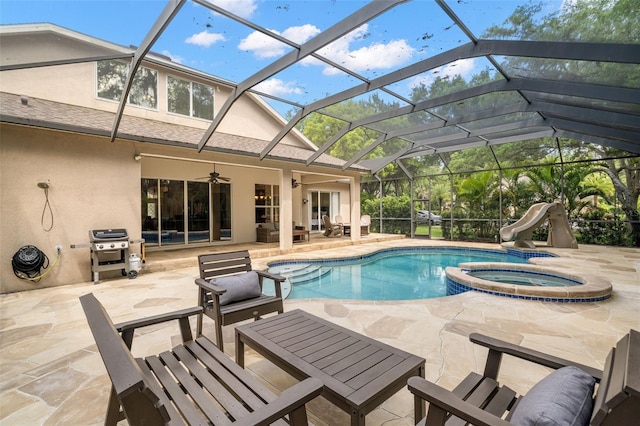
202,101
149,196
221,194
261,194
178,96
262,215
144,91
172,214
111,78
198,205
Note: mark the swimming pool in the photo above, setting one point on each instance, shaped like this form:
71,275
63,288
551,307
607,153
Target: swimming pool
394,274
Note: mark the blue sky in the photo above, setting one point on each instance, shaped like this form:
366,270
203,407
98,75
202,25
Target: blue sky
212,43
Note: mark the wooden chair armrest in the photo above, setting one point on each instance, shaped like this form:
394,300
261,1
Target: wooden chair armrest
210,287
502,347
274,277
127,328
289,400
157,319
448,402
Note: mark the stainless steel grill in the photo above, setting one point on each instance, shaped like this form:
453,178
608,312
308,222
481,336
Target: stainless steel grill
109,252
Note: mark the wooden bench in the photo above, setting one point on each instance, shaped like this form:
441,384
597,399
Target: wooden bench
193,383
481,400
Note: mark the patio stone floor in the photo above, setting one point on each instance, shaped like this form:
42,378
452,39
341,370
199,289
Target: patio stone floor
50,372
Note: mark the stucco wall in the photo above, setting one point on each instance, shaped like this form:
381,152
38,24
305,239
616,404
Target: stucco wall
93,184
76,85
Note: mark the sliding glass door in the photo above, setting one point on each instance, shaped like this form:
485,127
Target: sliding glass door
322,203
165,202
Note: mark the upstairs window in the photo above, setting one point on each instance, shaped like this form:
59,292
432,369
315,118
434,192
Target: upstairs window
190,98
111,76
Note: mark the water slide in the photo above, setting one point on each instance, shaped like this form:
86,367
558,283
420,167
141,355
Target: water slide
560,234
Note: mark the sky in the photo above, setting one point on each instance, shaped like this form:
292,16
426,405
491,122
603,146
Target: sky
212,43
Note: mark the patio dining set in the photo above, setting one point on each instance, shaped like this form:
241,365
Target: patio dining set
195,382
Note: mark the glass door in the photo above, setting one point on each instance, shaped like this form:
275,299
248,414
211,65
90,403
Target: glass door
172,212
322,203
198,211
207,206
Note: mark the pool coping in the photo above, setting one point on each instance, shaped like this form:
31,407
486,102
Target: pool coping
590,288
523,254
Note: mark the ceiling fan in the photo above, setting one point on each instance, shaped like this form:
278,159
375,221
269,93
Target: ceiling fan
214,176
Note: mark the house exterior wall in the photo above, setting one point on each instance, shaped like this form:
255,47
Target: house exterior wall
96,184
93,185
75,84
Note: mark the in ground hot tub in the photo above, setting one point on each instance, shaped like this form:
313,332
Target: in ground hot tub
527,282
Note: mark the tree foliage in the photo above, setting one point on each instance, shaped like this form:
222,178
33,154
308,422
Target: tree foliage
523,172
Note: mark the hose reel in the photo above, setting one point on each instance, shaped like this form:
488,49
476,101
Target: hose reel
28,262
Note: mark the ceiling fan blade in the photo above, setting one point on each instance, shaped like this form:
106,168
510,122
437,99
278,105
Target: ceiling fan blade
226,179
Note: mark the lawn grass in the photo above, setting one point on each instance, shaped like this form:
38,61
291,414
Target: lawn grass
436,231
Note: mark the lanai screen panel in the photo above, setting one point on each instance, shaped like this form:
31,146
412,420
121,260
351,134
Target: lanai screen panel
448,75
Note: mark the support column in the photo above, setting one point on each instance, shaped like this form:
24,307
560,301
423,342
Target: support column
286,210
354,220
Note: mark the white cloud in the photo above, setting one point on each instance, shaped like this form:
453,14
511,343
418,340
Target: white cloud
174,58
374,56
462,67
277,87
242,8
264,46
205,39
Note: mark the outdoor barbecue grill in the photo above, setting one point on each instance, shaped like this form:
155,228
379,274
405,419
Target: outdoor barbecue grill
109,252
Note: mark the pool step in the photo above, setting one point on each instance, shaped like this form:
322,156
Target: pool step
313,272
298,273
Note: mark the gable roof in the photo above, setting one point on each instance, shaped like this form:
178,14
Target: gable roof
48,114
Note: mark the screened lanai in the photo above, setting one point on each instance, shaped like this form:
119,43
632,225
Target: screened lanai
401,87
516,84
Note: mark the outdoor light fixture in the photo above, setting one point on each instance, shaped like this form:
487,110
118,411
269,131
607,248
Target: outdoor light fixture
137,157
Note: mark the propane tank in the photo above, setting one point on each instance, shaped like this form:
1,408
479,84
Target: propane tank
135,264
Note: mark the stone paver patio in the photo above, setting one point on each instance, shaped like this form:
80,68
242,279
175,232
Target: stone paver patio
50,372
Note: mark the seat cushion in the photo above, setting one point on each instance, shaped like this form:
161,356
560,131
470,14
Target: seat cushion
564,397
239,287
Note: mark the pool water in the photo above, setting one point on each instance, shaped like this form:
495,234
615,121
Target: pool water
524,278
387,275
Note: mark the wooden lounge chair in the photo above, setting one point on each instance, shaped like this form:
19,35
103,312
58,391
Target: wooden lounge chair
194,383
331,229
565,396
236,295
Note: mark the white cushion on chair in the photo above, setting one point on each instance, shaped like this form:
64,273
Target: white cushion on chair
564,397
239,287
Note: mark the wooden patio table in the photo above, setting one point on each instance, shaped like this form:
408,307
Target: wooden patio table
358,373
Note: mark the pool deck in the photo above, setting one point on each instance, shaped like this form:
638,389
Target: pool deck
50,372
